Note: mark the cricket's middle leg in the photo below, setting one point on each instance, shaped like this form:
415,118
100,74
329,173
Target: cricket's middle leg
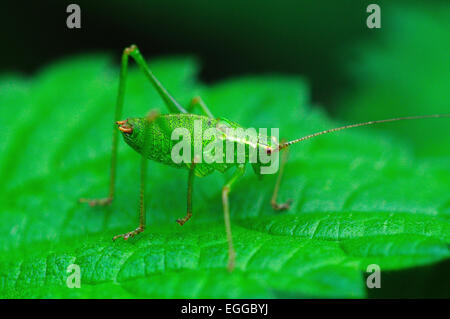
181,221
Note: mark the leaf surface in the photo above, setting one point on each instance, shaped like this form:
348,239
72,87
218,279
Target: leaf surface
359,197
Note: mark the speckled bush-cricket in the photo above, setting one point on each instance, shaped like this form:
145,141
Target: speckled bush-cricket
151,137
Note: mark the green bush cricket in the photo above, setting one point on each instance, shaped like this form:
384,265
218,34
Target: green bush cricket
151,137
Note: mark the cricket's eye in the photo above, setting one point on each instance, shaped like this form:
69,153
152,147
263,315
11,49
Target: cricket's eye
269,151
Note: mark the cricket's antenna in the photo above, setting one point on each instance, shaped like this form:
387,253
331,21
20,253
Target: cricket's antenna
307,137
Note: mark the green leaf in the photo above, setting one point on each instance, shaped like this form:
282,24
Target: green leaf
359,197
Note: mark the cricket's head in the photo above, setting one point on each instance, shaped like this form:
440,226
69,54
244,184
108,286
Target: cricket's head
132,129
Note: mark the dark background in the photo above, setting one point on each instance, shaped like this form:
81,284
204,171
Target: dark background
353,72
311,38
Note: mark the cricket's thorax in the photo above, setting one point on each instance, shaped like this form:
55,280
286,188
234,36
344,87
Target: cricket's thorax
159,143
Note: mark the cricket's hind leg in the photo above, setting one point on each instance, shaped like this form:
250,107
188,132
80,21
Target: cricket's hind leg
197,101
226,214
152,116
172,105
286,205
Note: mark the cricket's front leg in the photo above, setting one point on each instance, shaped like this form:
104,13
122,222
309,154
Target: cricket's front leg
130,234
152,116
141,226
